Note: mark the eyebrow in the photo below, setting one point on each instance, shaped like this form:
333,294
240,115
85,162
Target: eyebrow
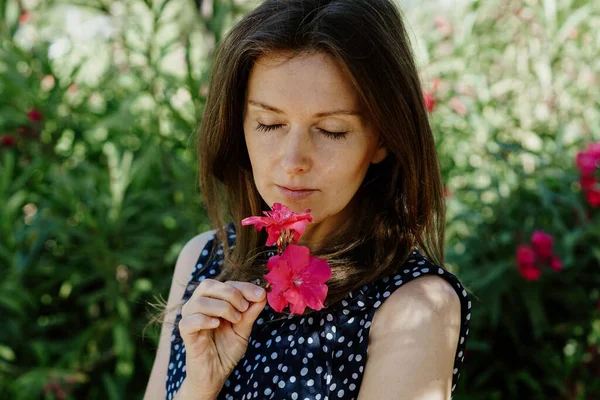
318,115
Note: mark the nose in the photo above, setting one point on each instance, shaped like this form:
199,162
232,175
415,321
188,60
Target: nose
297,149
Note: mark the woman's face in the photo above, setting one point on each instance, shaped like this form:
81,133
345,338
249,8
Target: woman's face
304,130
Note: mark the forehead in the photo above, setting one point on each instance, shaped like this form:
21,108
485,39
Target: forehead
304,83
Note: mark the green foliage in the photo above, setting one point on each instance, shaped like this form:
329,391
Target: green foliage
515,99
98,185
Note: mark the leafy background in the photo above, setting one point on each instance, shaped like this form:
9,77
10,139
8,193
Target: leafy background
99,101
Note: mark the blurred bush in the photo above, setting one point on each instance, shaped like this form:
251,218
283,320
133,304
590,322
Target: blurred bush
512,87
98,105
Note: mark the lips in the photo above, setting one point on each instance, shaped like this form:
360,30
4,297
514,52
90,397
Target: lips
297,193
296,189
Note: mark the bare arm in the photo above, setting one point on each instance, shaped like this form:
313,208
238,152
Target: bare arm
156,389
413,342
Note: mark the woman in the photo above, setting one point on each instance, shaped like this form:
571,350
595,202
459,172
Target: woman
317,104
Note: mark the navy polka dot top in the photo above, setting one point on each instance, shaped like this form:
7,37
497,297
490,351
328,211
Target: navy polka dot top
317,357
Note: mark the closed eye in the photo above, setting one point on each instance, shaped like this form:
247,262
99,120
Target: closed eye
332,135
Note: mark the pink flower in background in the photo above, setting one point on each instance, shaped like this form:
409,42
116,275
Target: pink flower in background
556,264
593,197
443,25
542,244
588,162
530,272
587,182
531,259
280,220
297,279
24,17
429,100
525,255
526,262
458,106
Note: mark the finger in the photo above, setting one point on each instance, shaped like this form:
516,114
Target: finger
197,322
212,307
249,290
222,291
244,327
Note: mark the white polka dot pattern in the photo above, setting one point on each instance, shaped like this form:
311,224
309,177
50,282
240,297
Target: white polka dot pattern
318,357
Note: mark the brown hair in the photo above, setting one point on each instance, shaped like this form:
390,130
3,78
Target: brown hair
401,198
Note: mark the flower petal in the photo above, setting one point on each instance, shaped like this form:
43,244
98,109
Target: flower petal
317,271
276,300
298,257
280,275
296,299
314,295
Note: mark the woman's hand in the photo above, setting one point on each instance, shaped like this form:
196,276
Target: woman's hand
215,325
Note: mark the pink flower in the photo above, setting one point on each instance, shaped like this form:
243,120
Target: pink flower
34,115
429,100
458,106
280,220
24,17
297,278
587,162
556,264
594,149
525,255
7,140
587,182
530,272
526,260
593,197
443,25
542,244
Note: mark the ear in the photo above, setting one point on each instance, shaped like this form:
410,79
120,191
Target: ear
380,154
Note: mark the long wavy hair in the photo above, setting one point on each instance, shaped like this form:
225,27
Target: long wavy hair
401,199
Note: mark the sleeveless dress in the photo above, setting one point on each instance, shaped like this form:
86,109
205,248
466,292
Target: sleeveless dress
317,357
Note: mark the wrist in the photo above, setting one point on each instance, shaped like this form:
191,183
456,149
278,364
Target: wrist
188,392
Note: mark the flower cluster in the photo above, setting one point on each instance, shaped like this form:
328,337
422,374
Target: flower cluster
296,278
588,162
530,259
31,130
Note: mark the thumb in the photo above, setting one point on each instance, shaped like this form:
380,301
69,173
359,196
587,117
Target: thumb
244,327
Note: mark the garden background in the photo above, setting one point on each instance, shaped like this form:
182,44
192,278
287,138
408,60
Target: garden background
99,105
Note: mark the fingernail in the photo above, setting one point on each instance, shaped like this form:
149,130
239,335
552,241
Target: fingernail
245,305
237,315
259,291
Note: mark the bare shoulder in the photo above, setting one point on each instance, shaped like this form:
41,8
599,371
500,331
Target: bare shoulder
428,295
413,341
189,255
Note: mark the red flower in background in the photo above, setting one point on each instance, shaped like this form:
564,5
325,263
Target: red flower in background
542,244
7,140
429,100
530,259
593,197
34,115
280,220
588,162
458,106
297,279
24,17
556,264
530,272
525,255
